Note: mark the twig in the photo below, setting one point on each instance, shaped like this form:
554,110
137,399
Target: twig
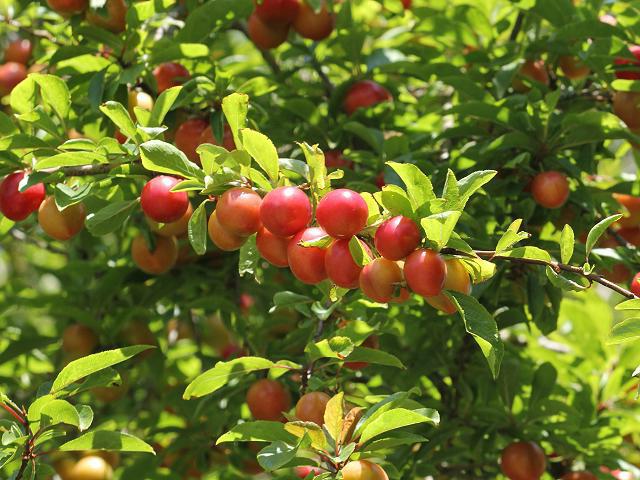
306,374
28,449
557,267
84,170
517,26
14,414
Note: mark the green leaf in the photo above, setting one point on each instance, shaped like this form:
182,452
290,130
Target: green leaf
163,105
55,93
633,304
85,366
481,324
120,117
178,51
260,431
544,380
106,440
276,455
373,137
397,418
197,230
470,184
235,108
249,257
335,347
567,280
626,330
371,355
360,254
313,431
531,253
24,96
596,232
47,411
262,150
85,414
159,156
395,200
110,218
334,415
439,227
217,377
567,243
317,168
70,159
419,187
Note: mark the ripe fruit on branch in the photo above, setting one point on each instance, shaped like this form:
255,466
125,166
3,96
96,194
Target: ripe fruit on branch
533,70
363,470
340,266
273,249
221,237
267,399
397,237
406,4
68,7
579,476
312,25
11,74
91,468
626,105
228,142
573,67
17,205
111,17
177,229
335,159
635,285
523,461
342,213
380,279
238,211
265,35
425,272
169,75
140,99
188,137
632,206
311,407
629,74
303,471
158,261
110,394
79,340
18,51
457,280
277,11
61,225
307,263
159,203
550,189
112,458
363,94
285,211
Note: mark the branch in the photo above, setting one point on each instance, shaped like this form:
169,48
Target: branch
517,26
557,267
84,170
14,414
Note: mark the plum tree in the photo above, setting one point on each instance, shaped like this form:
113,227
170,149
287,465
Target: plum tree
17,205
223,238
342,213
176,229
307,263
633,74
157,261
169,75
340,266
159,203
111,17
312,25
11,74
91,468
68,7
268,399
425,272
381,281
311,407
523,461
19,51
535,70
78,340
550,189
363,470
626,105
397,237
61,225
457,280
285,211
277,11
364,94
189,137
238,211
272,248
265,35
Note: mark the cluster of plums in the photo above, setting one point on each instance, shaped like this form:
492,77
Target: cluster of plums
14,68
269,24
